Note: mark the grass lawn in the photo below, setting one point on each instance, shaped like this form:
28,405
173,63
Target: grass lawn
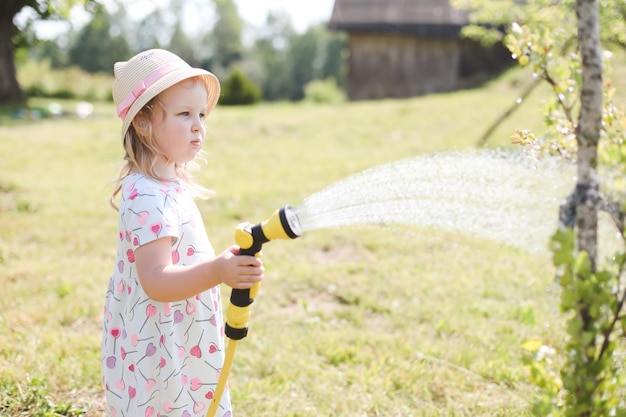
358,321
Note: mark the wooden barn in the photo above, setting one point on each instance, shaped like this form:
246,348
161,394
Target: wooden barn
405,48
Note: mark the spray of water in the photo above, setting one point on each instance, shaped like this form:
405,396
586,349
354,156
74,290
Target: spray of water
495,194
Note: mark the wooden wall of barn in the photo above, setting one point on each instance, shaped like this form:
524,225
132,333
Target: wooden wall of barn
398,66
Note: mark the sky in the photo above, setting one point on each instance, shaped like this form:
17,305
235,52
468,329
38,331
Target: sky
303,13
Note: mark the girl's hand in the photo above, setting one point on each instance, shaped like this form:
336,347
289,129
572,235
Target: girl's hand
163,281
240,272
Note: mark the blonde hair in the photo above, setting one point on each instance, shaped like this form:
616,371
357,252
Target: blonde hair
142,152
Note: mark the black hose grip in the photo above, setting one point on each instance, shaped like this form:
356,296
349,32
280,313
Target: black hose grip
235,334
258,239
241,297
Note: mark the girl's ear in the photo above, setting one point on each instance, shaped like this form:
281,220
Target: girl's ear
143,122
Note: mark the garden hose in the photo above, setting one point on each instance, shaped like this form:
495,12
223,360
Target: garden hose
283,224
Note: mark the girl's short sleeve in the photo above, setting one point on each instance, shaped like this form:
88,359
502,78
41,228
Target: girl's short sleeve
149,214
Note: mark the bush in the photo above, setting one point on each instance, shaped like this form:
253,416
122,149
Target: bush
38,79
324,91
238,89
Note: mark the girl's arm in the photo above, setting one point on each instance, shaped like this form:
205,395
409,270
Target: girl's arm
166,282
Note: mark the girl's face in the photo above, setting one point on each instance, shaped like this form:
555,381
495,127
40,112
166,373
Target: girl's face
178,124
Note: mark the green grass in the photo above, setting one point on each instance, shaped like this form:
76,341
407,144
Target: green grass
367,321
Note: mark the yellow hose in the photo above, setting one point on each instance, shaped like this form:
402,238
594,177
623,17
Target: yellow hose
221,383
236,317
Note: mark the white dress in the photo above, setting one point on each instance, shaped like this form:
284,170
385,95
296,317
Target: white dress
160,359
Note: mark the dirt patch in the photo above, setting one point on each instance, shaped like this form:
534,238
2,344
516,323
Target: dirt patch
342,253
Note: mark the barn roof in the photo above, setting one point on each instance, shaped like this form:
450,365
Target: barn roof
422,17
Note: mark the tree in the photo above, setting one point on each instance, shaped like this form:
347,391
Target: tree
271,50
178,41
562,41
588,364
149,30
49,50
180,45
307,57
227,34
96,49
317,54
290,60
335,58
11,37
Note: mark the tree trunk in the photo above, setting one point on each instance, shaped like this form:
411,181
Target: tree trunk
588,129
10,91
587,186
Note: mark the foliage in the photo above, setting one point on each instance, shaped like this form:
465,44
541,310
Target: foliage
304,52
543,35
238,89
227,34
335,57
290,60
40,80
24,35
584,387
45,50
96,49
324,91
271,51
13,37
181,46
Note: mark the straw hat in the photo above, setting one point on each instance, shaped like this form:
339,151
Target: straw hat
147,74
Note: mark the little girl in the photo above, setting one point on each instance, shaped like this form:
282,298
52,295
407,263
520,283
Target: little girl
162,347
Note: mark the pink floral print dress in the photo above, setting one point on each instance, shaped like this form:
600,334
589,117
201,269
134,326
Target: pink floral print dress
160,359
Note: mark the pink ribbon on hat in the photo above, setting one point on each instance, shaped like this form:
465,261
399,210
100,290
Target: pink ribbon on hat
143,85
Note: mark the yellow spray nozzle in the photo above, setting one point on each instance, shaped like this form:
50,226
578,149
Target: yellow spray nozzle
283,224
